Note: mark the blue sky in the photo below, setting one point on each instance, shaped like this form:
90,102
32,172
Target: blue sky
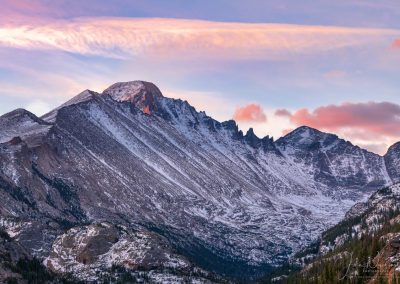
305,57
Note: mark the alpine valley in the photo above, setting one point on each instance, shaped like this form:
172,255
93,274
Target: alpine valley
128,185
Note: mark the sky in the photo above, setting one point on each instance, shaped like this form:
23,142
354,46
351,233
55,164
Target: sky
271,65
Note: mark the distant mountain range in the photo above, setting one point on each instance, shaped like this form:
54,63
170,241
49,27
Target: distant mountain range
133,180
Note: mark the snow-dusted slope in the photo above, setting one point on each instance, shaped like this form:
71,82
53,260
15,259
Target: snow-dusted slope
333,161
364,218
131,156
368,237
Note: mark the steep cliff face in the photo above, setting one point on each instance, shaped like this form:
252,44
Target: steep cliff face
392,160
132,157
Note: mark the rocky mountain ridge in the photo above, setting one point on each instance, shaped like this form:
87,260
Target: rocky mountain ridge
131,157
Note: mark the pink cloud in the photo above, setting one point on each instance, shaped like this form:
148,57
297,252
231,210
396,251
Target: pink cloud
283,113
396,43
374,125
378,118
250,113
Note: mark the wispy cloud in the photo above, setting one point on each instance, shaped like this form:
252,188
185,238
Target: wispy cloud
129,37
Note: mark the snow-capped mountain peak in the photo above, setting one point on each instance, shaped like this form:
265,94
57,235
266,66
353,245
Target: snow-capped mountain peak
134,157
305,136
143,95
